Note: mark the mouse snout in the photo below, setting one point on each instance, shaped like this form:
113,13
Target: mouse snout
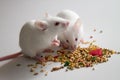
65,24
73,47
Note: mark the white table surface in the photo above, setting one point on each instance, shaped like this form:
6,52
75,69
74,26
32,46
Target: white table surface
100,14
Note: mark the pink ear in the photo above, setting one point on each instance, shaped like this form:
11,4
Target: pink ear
41,25
47,15
77,25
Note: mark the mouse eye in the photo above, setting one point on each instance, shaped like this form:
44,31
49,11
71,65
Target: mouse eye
76,39
57,23
67,41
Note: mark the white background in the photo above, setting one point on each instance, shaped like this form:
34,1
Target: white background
100,14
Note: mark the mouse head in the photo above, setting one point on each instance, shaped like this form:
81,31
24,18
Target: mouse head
57,24
52,24
73,37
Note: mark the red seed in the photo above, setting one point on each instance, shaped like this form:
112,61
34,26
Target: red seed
55,56
96,52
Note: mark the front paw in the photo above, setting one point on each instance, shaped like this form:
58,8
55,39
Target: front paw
63,45
40,59
55,43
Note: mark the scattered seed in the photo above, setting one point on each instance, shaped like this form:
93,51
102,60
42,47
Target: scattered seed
66,63
46,73
91,37
56,68
35,74
66,70
41,66
81,57
94,30
29,65
101,31
42,70
118,52
93,68
18,65
37,63
35,66
32,70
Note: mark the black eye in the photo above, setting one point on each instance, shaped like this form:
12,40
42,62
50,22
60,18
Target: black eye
67,41
76,39
57,23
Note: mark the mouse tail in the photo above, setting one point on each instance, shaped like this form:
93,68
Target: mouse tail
10,56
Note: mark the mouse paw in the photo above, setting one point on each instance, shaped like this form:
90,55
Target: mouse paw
63,45
40,59
55,43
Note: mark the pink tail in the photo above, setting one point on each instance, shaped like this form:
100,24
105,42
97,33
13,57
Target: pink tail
10,56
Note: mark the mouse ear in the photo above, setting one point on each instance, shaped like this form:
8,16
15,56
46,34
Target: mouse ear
77,25
41,25
47,15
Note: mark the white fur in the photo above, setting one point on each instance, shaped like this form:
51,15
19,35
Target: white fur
71,33
33,40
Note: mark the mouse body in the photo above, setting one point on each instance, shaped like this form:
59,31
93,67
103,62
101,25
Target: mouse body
38,35
34,39
72,37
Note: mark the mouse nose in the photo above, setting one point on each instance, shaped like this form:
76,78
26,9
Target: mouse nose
65,24
73,47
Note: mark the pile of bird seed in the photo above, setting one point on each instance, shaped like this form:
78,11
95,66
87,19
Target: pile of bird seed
79,58
76,59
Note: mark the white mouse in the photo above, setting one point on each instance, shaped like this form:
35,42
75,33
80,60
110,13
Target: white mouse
72,37
38,35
